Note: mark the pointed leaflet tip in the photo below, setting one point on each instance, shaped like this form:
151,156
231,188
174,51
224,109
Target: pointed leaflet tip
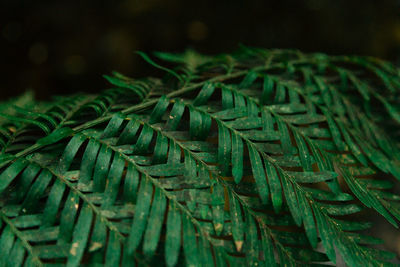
151,62
238,245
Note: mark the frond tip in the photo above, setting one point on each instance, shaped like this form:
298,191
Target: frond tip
262,157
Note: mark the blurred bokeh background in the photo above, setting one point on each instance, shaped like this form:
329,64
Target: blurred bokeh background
60,47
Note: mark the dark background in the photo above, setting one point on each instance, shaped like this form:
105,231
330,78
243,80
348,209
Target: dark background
61,47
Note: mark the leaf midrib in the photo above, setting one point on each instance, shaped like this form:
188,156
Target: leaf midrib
311,201
221,181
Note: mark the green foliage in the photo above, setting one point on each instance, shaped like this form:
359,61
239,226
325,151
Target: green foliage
259,158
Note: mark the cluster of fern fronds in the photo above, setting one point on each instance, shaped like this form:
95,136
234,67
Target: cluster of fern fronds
257,158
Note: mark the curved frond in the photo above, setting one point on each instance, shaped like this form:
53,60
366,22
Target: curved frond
261,157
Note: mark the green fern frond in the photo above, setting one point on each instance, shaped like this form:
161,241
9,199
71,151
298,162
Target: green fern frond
261,157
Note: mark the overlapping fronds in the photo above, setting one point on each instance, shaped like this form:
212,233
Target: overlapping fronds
262,157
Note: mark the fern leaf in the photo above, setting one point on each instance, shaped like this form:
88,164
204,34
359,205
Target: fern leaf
261,157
